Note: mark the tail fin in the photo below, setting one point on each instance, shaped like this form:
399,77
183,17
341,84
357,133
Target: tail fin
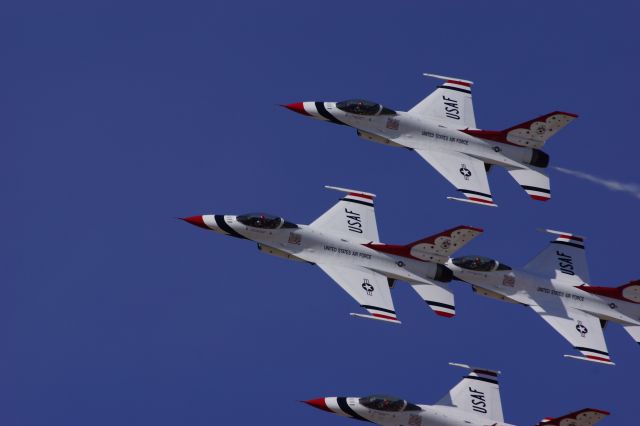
584,417
436,248
450,104
533,133
354,215
478,392
564,258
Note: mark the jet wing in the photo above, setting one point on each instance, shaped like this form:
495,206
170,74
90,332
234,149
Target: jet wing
369,288
353,216
581,329
464,172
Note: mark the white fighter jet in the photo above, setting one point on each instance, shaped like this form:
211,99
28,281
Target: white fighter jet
474,401
344,243
555,284
442,130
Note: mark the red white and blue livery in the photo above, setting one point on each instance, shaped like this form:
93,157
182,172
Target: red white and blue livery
344,243
442,130
474,401
556,286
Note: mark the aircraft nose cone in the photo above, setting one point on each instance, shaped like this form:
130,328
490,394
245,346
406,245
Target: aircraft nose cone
196,221
318,403
297,107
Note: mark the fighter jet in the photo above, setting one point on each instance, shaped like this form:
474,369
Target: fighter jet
344,243
555,284
473,401
442,130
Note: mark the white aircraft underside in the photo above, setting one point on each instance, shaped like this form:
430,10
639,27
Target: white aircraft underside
442,130
344,243
555,285
475,401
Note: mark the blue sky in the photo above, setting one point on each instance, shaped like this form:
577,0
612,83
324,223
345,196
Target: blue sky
119,116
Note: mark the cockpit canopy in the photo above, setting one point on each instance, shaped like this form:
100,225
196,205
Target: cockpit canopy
264,221
363,107
388,403
480,263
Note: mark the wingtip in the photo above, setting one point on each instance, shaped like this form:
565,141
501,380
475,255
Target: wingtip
596,360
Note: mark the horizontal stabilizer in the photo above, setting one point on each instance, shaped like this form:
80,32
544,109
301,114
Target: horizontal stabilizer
535,183
533,133
634,332
584,417
438,297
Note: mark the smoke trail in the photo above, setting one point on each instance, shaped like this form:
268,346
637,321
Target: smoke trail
630,188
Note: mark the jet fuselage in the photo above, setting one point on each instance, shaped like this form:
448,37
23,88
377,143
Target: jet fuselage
404,129
410,415
306,243
519,286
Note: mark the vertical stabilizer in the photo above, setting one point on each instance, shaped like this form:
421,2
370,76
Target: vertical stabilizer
478,392
450,104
